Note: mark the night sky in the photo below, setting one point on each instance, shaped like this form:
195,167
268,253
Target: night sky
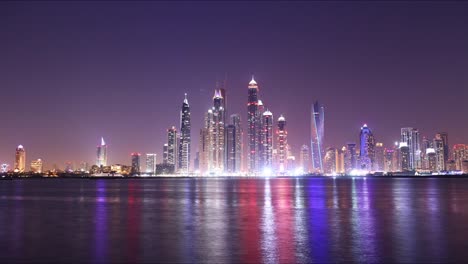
73,72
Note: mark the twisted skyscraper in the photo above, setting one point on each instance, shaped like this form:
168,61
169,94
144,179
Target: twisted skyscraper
317,135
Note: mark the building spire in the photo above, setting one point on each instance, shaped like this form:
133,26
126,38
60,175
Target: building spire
103,143
186,100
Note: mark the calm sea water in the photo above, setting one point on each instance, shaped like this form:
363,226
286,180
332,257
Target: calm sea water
285,220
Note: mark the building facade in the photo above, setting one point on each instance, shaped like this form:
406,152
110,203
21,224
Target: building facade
151,163
102,154
366,148
317,136
20,159
282,142
185,140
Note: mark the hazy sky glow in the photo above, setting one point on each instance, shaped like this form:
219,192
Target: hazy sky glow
73,72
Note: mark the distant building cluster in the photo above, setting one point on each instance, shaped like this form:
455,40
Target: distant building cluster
224,150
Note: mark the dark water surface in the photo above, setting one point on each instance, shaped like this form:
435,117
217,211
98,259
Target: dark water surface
283,220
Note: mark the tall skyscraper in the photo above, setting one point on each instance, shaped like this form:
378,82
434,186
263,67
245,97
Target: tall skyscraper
317,136
431,157
282,143
231,148
252,120
36,166
350,157
172,146
439,148
366,148
410,136
379,157
185,141
135,163
102,154
444,137
390,158
460,153
267,140
165,153
151,163
304,157
239,146
404,151
216,158
330,161
20,159
339,157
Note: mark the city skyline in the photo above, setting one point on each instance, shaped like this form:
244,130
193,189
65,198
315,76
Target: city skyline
74,94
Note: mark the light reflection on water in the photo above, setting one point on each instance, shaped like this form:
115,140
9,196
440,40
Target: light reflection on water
282,220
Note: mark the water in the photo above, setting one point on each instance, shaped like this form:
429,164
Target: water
283,220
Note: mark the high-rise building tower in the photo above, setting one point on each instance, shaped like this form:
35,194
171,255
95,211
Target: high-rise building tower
282,142
239,146
20,159
444,137
389,165
404,151
350,157
460,153
151,163
304,157
216,157
431,157
185,141
231,148
102,154
379,157
267,140
339,156
366,148
36,166
252,121
165,153
317,136
330,161
172,146
411,137
439,152
135,163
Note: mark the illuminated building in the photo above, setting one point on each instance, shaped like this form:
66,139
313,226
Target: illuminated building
267,140
425,144
444,137
84,166
102,154
410,136
304,158
36,166
185,141
379,157
350,157
239,146
431,157
390,160
439,152
20,159
203,146
135,163
165,153
261,135
366,148
339,155
282,135
151,163
291,164
317,136
330,161
404,156
231,148
172,146
216,135
252,122
460,153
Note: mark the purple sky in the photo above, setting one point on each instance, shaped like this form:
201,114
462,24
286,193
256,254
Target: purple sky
73,72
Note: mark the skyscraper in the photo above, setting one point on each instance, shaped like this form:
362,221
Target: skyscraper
282,143
135,163
165,153
439,149
102,154
444,137
460,153
20,159
304,158
185,141
36,166
216,155
431,157
231,148
239,146
404,151
411,137
317,136
366,148
330,161
389,160
339,157
172,146
267,140
252,120
151,163
350,157
379,157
